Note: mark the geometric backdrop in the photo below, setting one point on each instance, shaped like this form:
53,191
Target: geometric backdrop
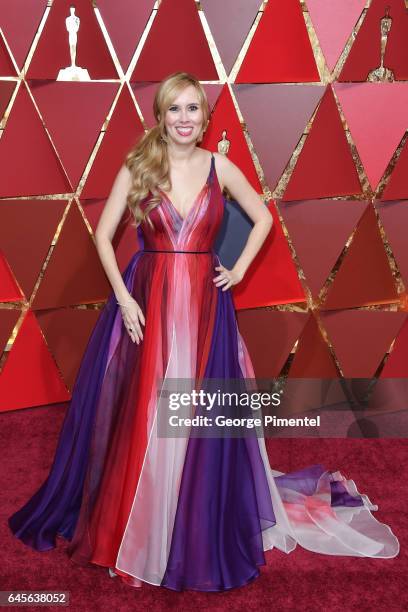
323,144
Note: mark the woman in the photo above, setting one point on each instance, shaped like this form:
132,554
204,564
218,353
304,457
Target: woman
180,512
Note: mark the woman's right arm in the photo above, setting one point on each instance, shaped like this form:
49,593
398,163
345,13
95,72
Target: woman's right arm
112,213
108,222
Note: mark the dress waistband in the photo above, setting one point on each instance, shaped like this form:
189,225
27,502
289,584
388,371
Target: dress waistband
171,251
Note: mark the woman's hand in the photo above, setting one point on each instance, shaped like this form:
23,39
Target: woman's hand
227,277
133,318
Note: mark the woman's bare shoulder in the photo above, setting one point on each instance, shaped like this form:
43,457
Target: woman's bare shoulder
223,167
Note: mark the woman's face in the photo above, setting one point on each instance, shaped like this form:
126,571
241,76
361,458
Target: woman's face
184,117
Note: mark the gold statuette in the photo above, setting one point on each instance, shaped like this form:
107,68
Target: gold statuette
381,73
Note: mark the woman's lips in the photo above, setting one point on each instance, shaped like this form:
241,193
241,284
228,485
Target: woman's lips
184,131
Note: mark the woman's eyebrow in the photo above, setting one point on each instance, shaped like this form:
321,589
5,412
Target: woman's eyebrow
188,104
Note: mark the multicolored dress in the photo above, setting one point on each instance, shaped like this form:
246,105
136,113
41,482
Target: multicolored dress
183,512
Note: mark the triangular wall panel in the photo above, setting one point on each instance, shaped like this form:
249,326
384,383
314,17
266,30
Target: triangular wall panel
364,277
27,228
394,219
9,289
125,21
230,22
280,50
288,109
7,68
396,365
272,277
312,358
72,276
361,338
6,91
168,31
397,187
23,134
316,227
325,167
224,117
19,22
67,332
123,131
334,22
74,114
375,130
42,381
270,337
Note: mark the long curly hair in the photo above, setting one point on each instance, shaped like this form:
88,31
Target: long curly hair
148,159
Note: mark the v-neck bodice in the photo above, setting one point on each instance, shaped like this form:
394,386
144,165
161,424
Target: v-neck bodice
191,208
196,231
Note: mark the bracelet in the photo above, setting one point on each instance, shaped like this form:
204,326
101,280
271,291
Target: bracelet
124,305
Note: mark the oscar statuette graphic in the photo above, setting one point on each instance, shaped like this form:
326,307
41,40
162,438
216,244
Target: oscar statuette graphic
382,74
73,72
223,145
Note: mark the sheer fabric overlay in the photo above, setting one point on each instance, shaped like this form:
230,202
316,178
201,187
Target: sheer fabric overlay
183,513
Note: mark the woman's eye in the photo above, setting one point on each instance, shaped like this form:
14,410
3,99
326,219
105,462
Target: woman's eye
193,107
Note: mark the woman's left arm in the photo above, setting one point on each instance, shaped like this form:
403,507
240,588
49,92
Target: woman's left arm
241,190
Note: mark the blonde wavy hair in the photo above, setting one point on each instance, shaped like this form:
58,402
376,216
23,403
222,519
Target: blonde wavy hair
148,159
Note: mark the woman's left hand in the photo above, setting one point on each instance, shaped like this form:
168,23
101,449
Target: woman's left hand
227,277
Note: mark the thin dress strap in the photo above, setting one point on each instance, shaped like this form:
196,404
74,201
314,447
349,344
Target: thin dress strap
212,167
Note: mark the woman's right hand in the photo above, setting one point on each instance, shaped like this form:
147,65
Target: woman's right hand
133,318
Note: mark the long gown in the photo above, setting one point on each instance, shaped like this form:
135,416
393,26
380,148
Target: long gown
183,513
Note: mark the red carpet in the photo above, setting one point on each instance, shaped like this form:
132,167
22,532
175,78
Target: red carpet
301,580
